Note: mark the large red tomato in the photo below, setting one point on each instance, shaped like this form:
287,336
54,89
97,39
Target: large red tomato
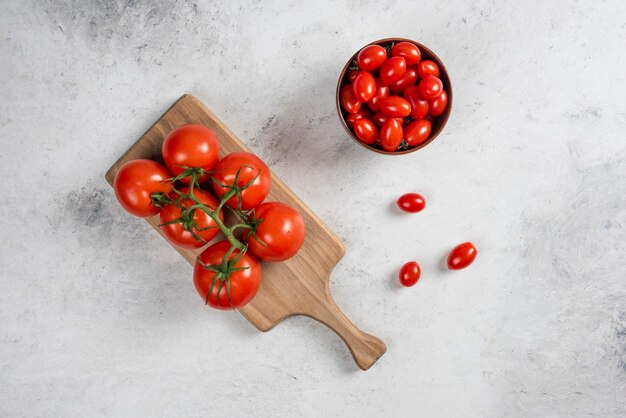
136,182
249,166
193,146
279,234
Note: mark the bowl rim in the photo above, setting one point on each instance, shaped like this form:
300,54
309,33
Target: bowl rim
445,115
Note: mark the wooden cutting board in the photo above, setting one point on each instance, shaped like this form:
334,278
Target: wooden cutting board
298,286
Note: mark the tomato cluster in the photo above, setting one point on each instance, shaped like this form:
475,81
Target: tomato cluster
391,96
189,194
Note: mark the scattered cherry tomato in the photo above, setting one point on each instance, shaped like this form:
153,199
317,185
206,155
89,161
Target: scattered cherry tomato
371,57
364,86
409,274
380,118
462,256
249,166
392,70
438,105
426,68
352,75
366,131
417,132
430,87
419,105
382,91
409,51
390,136
190,146
348,99
411,202
409,79
279,234
136,181
362,113
394,106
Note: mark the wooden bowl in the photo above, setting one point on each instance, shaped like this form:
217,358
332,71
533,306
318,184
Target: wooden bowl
438,123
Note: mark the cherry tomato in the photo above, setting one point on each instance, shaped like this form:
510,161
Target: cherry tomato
364,86
430,87
362,113
417,132
392,70
419,105
462,256
205,227
193,146
244,283
394,106
410,273
411,202
426,68
390,136
352,75
366,131
348,100
380,118
382,91
249,166
371,57
280,233
438,104
409,79
409,51
136,181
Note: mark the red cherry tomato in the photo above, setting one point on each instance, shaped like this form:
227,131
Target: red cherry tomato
362,113
409,79
366,131
364,86
352,75
348,99
430,87
394,106
380,118
409,274
392,70
419,105
371,57
426,68
382,91
280,233
417,132
409,51
411,202
249,167
193,146
438,105
136,181
390,136
462,256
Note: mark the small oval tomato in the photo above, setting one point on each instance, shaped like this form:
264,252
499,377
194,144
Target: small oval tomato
352,75
430,87
192,146
392,70
366,131
411,202
426,68
409,79
249,167
364,86
390,136
419,105
410,273
394,106
380,118
417,132
371,57
136,181
362,113
409,51
462,256
438,105
243,284
382,91
184,233
279,234
348,99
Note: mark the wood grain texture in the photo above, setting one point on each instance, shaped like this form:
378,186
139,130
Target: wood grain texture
298,286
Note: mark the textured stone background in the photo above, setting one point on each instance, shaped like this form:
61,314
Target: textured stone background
98,316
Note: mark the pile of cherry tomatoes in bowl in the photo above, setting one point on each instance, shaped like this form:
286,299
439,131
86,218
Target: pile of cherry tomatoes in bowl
190,193
394,96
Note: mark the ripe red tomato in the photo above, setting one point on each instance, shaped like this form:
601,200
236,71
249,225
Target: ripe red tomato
364,86
249,166
410,273
462,256
438,105
362,113
411,202
409,79
394,106
426,68
348,99
419,105
417,132
280,233
392,70
409,51
382,91
205,227
136,181
366,131
380,118
352,75
390,136
430,87
193,146
244,283
371,57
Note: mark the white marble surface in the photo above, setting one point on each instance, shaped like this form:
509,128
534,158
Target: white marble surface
98,316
